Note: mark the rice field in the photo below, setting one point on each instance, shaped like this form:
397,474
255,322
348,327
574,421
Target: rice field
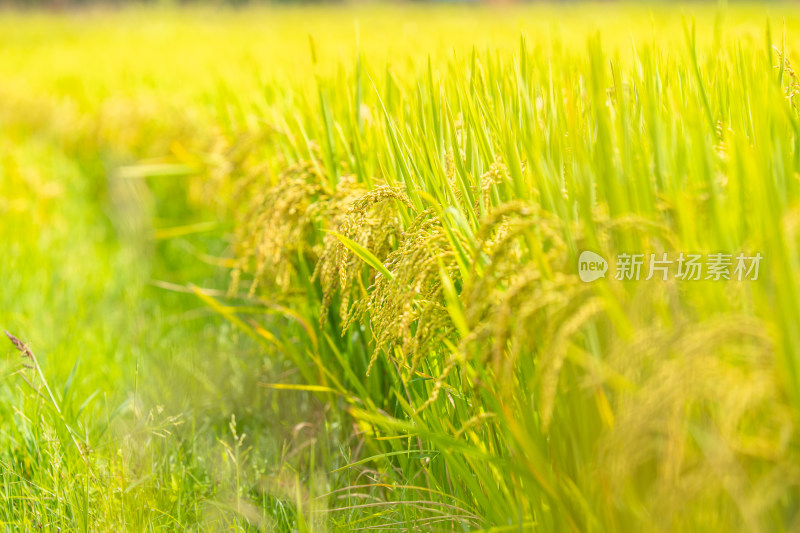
400,268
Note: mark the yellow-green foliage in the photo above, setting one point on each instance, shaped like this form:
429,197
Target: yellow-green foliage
410,195
657,404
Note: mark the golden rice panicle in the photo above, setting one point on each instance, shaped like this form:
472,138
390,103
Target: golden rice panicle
409,311
370,219
279,225
482,191
502,259
704,421
235,166
326,269
793,87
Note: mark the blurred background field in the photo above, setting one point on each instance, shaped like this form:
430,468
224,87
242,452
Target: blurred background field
136,144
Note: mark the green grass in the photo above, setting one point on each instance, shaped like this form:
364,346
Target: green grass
145,380
289,269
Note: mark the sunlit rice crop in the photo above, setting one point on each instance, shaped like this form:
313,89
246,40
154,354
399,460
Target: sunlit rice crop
398,201
547,401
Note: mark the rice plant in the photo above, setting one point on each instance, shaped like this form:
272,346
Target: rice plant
386,241
458,328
